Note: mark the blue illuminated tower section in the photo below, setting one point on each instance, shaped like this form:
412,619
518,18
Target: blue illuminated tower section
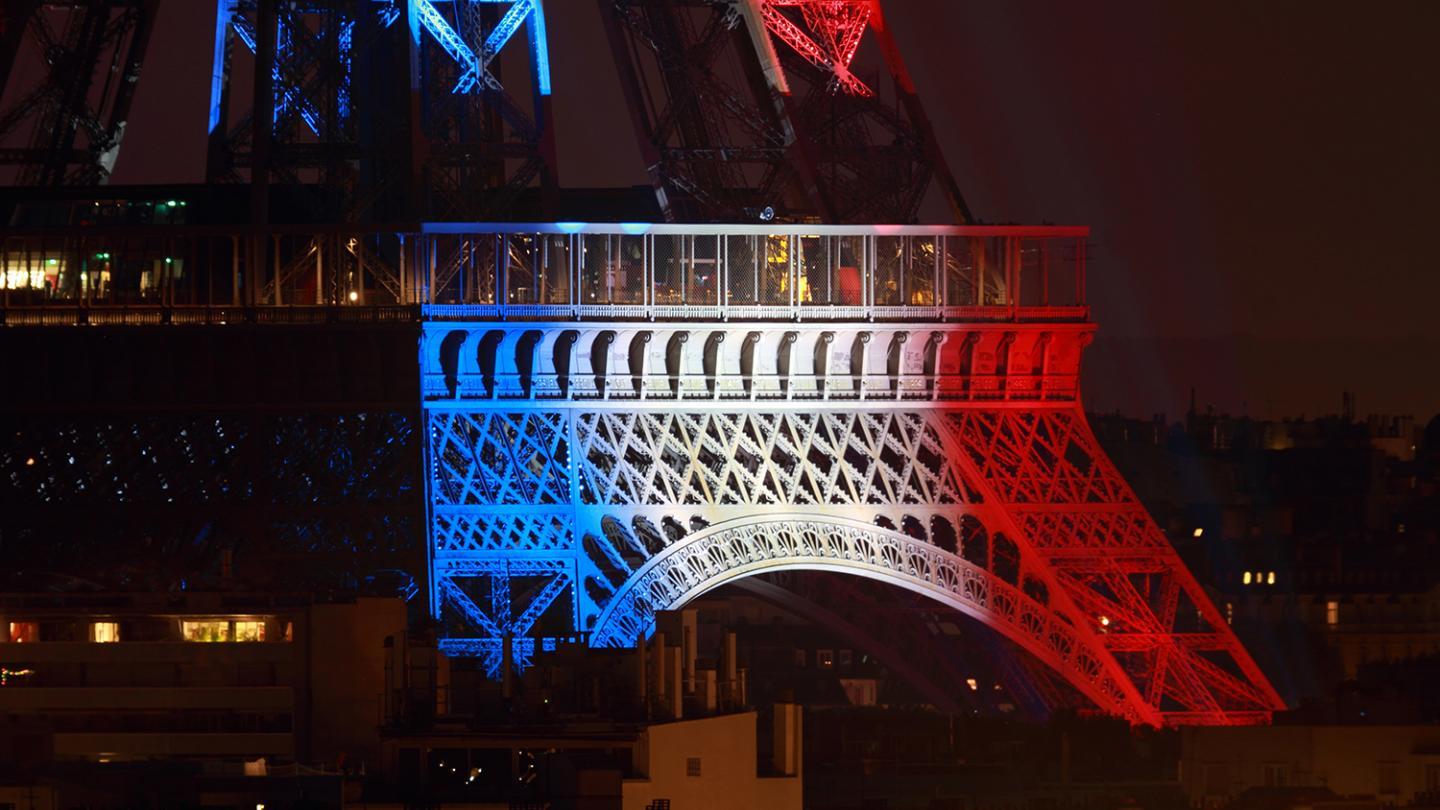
395,109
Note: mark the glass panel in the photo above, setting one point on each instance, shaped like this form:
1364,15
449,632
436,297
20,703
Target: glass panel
959,272
629,285
775,271
742,271
595,275
667,265
814,270
995,287
205,630
105,632
24,632
1033,266
250,631
889,255
703,270
521,283
555,280
920,271
464,269
1064,276
612,269
849,270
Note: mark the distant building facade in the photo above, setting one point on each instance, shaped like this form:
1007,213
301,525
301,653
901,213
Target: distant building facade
1395,765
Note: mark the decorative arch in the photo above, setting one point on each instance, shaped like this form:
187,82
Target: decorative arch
774,542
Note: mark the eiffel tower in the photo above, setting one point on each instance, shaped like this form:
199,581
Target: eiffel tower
614,418
896,403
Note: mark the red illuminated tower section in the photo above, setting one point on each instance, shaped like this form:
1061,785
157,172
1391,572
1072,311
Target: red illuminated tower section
749,105
1077,519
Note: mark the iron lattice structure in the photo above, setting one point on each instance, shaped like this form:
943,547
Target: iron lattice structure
301,122
744,105
899,404
388,109
66,127
164,501
483,143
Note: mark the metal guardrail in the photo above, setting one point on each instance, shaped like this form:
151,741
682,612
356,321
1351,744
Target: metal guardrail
541,271
203,315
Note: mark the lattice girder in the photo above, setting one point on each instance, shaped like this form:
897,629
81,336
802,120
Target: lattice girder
618,497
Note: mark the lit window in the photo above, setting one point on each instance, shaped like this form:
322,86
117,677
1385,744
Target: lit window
971,682
824,659
289,631
23,632
223,630
249,631
1199,532
1270,578
1332,613
104,632
1229,612
218,630
1246,578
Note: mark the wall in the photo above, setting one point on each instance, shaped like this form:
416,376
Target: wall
1390,762
726,748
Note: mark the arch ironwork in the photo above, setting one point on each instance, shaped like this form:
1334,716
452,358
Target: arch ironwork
776,542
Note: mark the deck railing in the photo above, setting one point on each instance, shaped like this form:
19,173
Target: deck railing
552,271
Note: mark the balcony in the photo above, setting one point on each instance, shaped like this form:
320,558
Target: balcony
543,272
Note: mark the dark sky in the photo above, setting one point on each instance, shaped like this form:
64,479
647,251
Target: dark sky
1261,177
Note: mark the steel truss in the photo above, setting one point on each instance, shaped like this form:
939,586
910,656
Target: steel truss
383,125
480,148
918,640
165,500
91,53
321,77
744,105
616,470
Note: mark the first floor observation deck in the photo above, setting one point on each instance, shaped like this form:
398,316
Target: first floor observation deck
555,272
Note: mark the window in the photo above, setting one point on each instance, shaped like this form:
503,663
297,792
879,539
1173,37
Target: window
846,658
800,658
104,632
1432,777
692,766
1332,613
249,631
1229,612
244,629
825,659
205,630
1246,578
24,632
1275,774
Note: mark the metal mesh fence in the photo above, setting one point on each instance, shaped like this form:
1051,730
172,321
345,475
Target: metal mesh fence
832,273
742,270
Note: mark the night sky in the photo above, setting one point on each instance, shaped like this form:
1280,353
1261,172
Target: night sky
1260,177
